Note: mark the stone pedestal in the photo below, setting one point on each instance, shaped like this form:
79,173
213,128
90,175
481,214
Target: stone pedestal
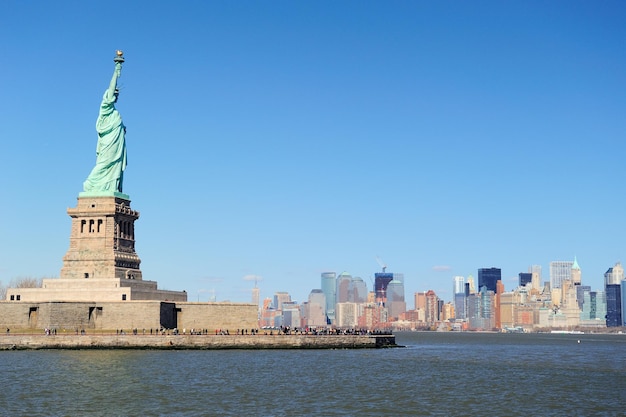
102,240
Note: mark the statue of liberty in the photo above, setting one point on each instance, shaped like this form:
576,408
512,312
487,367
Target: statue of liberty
106,177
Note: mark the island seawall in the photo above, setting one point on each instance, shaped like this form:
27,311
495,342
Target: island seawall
197,342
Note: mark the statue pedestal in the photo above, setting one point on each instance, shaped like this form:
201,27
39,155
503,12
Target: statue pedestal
102,240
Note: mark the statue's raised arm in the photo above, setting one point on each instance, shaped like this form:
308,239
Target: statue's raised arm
106,177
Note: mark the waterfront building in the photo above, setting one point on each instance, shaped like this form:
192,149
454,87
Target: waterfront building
569,305
488,277
559,272
623,297
496,304
347,314
373,316
447,312
594,308
432,307
480,310
420,300
459,306
329,288
580,293
613,305
508,304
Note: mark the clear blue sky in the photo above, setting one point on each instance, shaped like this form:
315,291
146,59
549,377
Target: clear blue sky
284,139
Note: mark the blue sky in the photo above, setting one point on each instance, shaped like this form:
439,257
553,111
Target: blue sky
285,139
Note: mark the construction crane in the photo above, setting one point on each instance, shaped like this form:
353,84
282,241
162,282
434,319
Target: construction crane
381,263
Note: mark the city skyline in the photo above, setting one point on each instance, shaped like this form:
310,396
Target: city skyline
274,142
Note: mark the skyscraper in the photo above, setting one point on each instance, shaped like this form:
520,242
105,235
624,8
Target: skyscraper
342,292
535,270
487,277
358,291
256,296
613,305
432,307
458,292
381,280
395,298
458,285
281,297
614,275
559,272
623,295
329,288
525,278
316,309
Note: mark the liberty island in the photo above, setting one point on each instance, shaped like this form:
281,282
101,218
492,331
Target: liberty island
101,286
101,290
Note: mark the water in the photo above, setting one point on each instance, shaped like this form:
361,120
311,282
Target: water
437,374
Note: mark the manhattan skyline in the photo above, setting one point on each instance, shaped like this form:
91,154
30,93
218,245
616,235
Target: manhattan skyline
281,140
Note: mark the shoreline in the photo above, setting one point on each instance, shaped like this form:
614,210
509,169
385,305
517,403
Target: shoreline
195,342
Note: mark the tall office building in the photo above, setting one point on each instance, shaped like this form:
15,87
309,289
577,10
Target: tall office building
381,280
614,275
458,285
594,307
432,307
559,272
291,314
329,287
316,307
395,298
458,292
358,290
460,306
613,305
347,314
420,300
342,292
623,295
580,294
256,296
535,270
525,278
481,313
488,277
280,298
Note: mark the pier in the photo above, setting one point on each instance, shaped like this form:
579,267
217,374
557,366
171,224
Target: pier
197,342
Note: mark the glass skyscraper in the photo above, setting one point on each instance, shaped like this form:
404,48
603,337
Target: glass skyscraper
613,305
487,277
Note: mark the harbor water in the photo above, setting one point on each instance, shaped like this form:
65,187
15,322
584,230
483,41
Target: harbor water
435,374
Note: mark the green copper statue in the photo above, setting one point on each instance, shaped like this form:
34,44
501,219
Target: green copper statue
106,177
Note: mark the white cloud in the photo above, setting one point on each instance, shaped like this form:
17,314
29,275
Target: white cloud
442,268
